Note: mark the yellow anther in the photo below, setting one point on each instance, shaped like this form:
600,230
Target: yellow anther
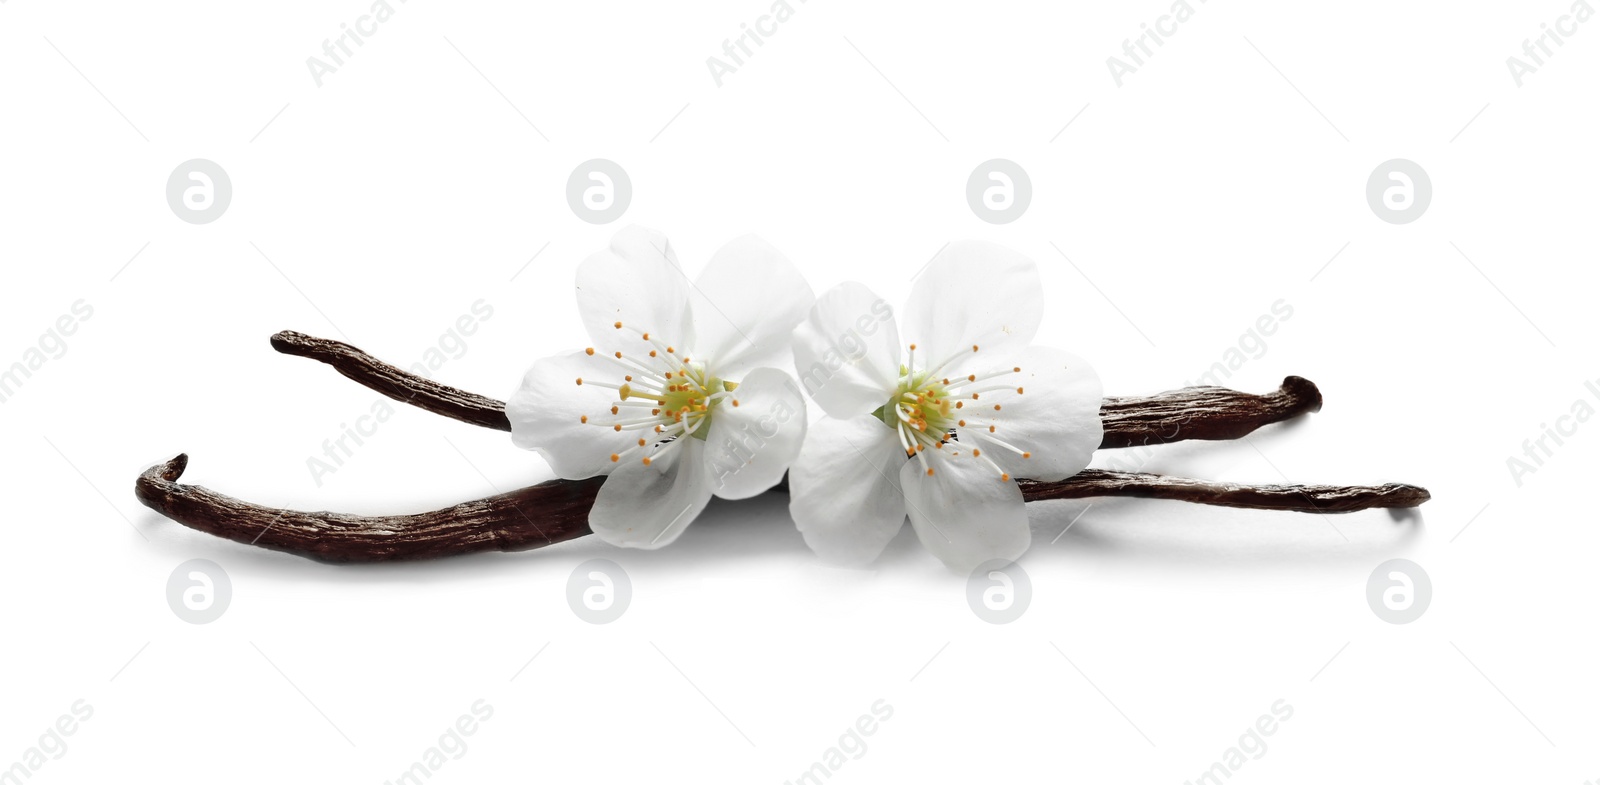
589,351
1027,455
583,418
618,325
647,460
1019,390
615,457
617,428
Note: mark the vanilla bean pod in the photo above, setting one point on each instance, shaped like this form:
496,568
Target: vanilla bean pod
1209,413
1323,499
532,517
558,510
400,385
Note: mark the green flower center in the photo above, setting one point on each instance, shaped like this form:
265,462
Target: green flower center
661,394
928,410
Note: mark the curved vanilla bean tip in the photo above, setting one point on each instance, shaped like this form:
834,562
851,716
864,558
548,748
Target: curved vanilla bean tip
1294,498
403,386
1190,413
1209,413
532,517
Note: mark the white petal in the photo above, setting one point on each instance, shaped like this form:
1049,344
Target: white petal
844,489
1056,418
649,506
964,513
746,305
637,282
847,351
546,416
973,293
751,445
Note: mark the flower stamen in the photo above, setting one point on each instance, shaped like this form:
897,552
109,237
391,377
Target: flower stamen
922,412
681,395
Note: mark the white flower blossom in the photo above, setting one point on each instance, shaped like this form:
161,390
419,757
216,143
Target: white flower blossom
936,416
680,397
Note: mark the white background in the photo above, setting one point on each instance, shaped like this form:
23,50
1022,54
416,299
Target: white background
423,175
